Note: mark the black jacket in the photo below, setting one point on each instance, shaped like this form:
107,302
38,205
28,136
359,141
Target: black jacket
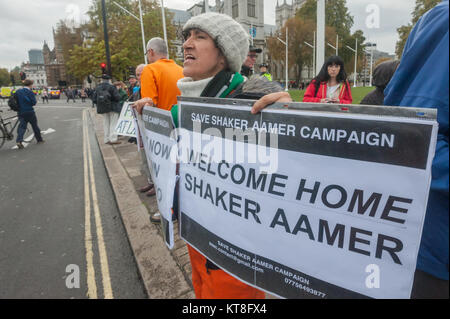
106,105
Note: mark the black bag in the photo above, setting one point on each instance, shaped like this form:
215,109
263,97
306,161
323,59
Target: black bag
104,103
14,103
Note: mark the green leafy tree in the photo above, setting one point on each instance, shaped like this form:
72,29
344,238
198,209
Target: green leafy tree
421,7
4,77
300,55
125,39
16,75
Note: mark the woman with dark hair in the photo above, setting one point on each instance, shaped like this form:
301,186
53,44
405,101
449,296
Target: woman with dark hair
382,75
331,85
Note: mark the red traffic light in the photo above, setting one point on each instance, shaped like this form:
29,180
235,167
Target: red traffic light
103,65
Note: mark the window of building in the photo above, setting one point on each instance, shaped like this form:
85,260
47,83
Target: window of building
235,9
251,8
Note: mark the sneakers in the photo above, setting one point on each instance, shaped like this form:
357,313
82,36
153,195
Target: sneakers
20,145
155,218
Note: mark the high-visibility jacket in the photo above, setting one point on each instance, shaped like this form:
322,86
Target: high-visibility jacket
268,76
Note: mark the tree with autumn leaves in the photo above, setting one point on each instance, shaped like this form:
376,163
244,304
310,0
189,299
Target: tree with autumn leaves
338,21
125,38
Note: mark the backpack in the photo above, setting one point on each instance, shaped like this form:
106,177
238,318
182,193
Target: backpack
104,104
14,103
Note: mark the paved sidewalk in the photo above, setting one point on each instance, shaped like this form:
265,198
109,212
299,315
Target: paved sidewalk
166,273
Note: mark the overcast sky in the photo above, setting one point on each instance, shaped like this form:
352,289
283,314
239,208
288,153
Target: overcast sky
26,24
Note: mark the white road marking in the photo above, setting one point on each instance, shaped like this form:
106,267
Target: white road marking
27,140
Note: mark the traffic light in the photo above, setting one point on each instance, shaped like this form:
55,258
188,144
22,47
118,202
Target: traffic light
23,76
13,80
103,66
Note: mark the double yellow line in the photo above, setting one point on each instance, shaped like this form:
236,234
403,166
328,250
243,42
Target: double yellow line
89,180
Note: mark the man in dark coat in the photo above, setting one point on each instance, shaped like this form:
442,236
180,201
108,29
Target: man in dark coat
26,100
381,77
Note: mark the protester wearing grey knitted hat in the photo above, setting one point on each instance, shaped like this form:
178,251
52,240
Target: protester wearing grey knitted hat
215,48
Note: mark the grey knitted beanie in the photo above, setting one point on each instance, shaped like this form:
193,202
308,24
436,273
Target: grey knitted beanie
229,35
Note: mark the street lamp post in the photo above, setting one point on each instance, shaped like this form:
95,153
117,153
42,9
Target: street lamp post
314,51
335,47
320,35
164,26
142,25
371,63
287,61
356,59
142,31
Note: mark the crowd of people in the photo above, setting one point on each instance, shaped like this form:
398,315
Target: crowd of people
219,62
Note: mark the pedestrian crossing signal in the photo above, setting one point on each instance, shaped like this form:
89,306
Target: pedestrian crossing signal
103,66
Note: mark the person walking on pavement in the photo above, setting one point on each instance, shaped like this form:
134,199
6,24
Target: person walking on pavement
70,95
26,100
105,96
83,95
44,96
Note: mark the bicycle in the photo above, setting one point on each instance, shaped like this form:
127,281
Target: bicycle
6,134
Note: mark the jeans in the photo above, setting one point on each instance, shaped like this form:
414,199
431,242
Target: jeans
24,119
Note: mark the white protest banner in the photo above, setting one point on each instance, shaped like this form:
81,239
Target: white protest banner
137,120
333,207
160,146
125,125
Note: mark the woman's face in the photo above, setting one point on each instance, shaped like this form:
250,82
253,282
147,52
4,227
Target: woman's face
202,59
333,70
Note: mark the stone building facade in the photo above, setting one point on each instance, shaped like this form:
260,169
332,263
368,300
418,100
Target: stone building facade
54,64
286,11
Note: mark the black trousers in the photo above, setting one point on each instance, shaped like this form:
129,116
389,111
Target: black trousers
428,287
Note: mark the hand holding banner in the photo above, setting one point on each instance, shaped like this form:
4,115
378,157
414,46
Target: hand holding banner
332,207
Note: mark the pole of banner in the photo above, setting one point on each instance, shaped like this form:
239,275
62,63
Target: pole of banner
142,30
105,33
320,35
164,26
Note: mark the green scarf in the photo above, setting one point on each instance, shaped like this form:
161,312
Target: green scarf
222,85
